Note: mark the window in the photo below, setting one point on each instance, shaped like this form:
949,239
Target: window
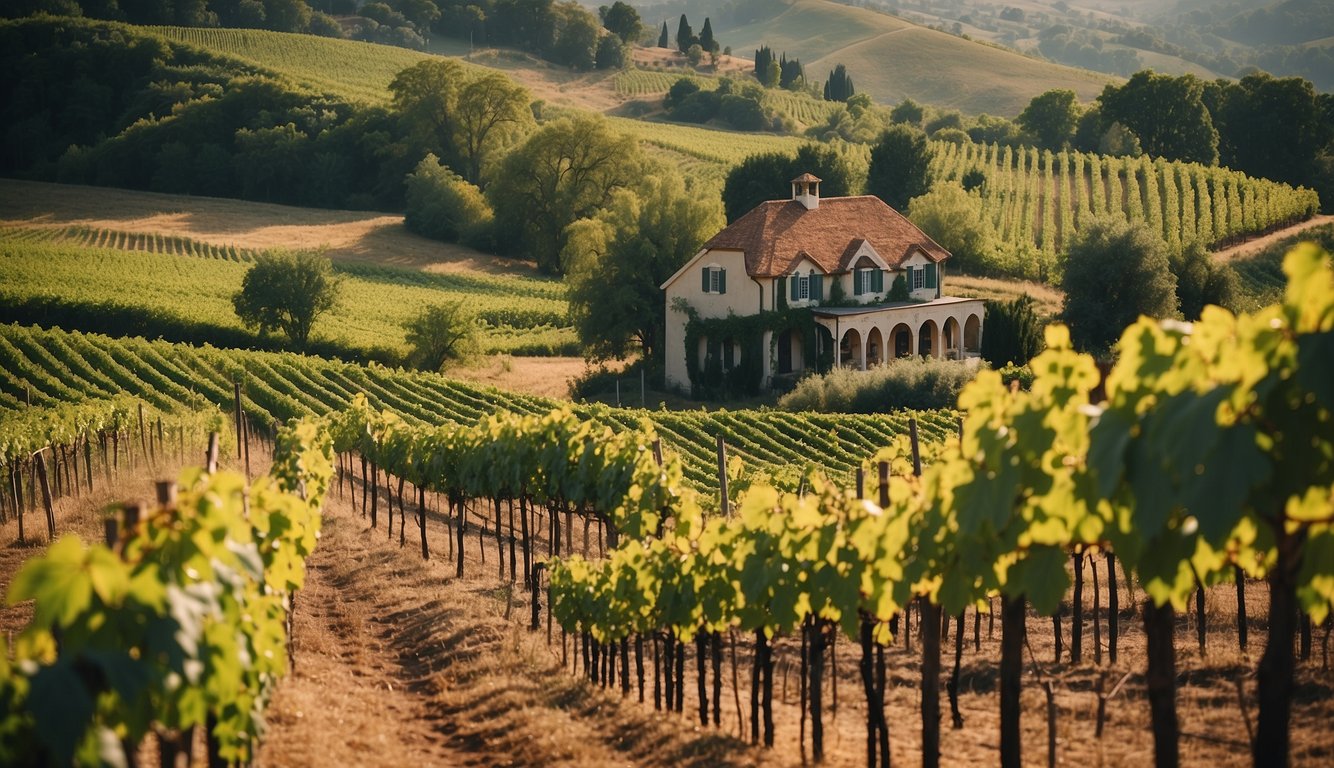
869,281
803,287
714,280
918,277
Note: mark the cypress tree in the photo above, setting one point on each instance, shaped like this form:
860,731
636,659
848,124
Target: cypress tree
839,85
663,40
685,36
706,40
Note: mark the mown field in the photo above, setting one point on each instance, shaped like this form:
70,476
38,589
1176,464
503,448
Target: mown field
892,59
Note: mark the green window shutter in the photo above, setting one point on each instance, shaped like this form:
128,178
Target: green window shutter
931,276
794,285
908,276
856,282
817,287
705,273
722,281
878,281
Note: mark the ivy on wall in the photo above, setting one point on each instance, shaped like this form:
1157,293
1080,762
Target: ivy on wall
745,378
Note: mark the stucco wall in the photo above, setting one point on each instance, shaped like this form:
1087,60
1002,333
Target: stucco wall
742,298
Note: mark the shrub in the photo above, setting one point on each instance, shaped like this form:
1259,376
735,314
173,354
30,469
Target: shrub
953,218
443,206
1013,334
908,383
1114,272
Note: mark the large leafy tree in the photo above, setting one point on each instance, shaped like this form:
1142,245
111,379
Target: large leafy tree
1051,118
492,112
287,291
766,177
900,166
1270,127
567,170
1166,113
622,20
616,261
426,99
1114,272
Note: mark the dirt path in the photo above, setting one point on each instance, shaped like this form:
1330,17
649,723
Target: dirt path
348,702
1259,243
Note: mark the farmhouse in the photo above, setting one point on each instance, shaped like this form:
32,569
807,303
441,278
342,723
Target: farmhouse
807,284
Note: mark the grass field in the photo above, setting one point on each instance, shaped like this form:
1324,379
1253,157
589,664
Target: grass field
892,59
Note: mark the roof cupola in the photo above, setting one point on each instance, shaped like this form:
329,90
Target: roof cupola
806,190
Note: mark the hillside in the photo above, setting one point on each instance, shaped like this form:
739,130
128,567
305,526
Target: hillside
892,59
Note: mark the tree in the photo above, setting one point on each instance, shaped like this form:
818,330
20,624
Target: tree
576,42
706,40
622,20
1051,118
953,218
1166,113
1201,281
1270,127
766,176
1013,333
900,166
685,36
839,85
567,170
443,206
663,40
611,53
1119,141
765,71
439,334
616,261
426,99
907,111
791,75
492,113
1115,271
286,291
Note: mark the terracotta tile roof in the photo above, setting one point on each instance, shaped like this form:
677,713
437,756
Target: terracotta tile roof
806,178
776,233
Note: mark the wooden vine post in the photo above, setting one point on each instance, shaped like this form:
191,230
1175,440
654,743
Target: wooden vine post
39,462
930,622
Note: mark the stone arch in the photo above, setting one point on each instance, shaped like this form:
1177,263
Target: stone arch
951,338
901,340
851,351
972,334
928,339
875,347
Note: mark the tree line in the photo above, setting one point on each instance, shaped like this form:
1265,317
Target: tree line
562,32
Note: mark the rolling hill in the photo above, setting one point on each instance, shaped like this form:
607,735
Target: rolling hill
892,59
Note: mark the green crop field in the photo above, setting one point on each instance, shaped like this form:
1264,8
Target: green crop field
48,367
362,71
179,282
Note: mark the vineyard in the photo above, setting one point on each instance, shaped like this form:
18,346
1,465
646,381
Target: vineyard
1040,487
801,107
1037,200
49,367
82,277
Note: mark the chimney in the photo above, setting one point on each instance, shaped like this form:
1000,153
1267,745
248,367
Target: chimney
806,190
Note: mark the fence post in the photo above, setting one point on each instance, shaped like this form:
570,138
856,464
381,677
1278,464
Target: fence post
40,462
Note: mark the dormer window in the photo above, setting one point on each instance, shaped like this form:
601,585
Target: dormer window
868,281
918,278
714,279
807,287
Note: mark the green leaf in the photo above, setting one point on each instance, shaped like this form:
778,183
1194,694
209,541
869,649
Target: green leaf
57,583
62,707
1041,577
